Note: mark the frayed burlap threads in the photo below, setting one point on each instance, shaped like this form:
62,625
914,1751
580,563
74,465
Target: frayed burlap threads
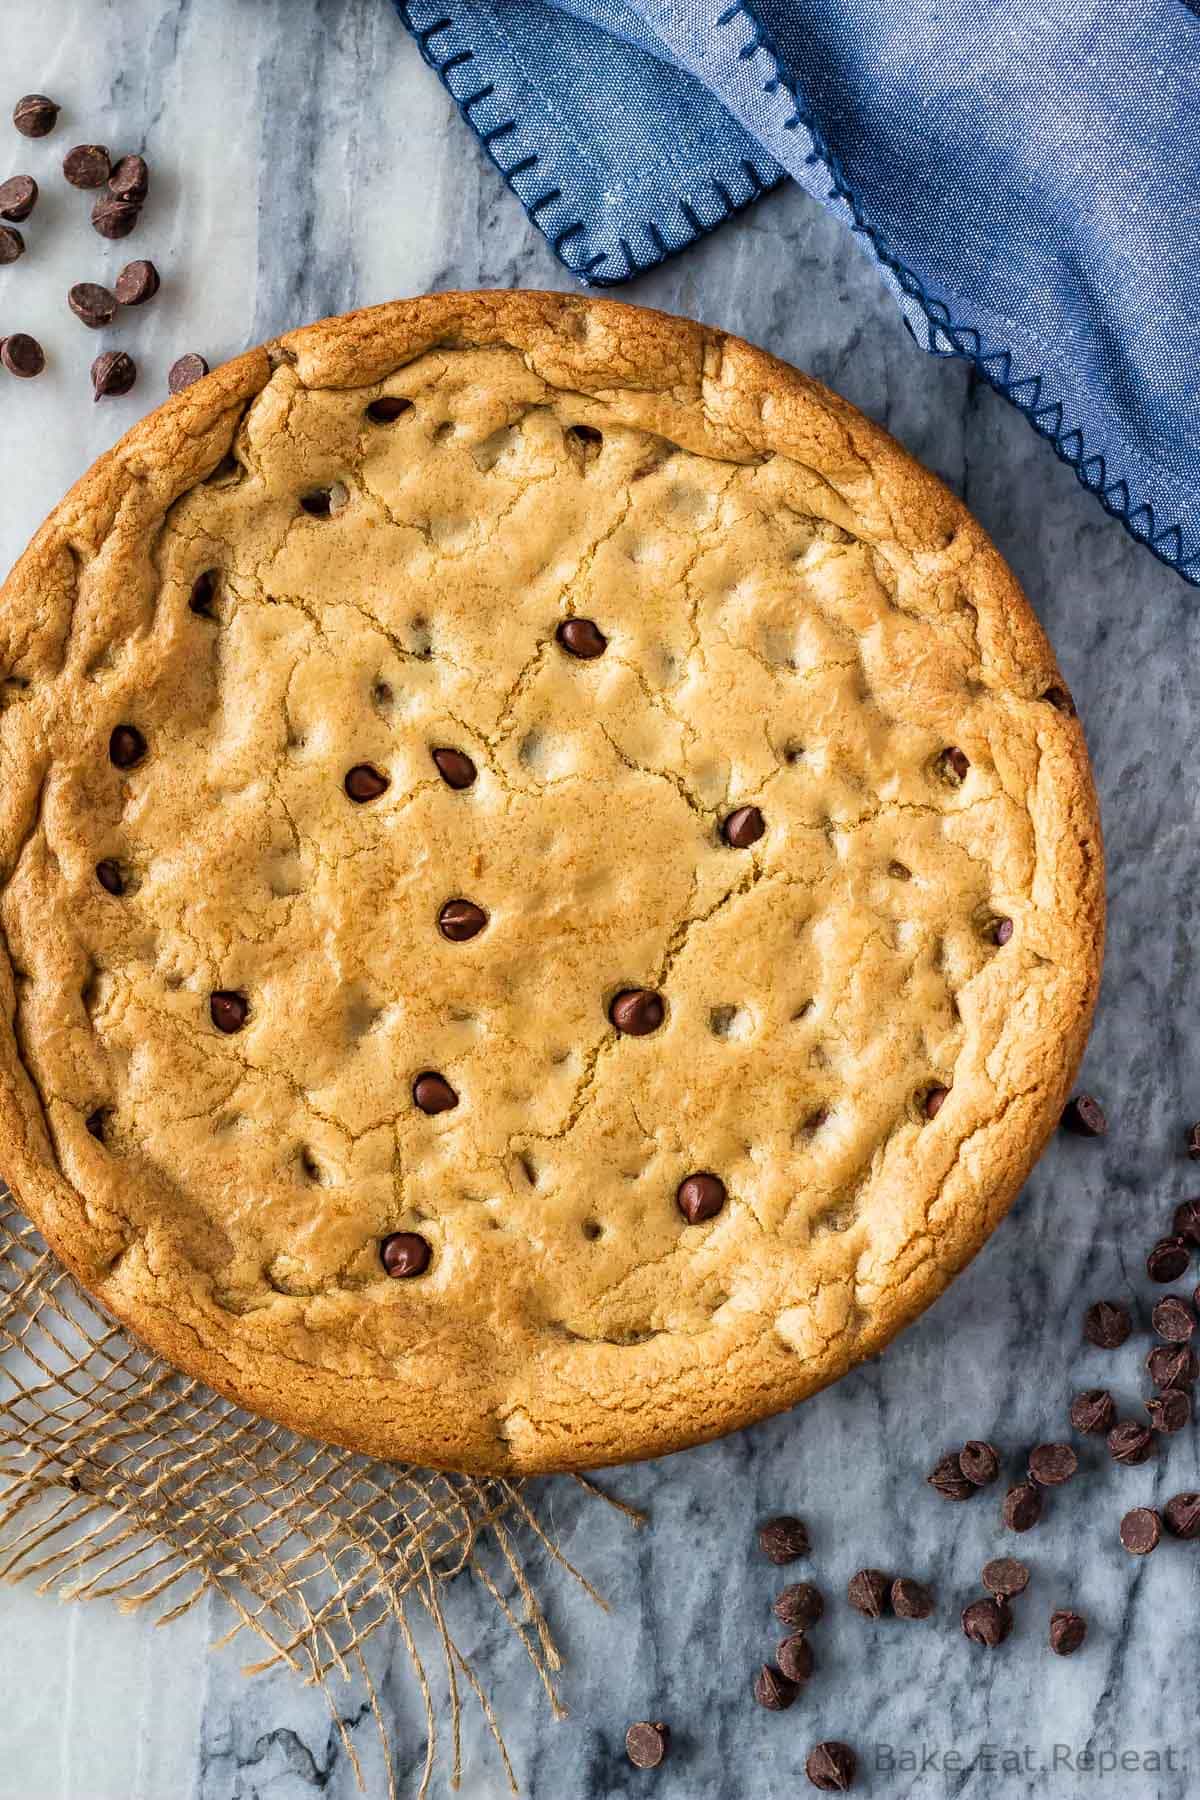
121,1478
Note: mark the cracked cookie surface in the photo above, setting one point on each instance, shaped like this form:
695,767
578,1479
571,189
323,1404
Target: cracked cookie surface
552,890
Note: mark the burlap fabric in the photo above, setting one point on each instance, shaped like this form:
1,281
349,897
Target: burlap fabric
121,1478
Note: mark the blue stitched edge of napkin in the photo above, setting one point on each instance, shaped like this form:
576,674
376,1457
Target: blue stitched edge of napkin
466,67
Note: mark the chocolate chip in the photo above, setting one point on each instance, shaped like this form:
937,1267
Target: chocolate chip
460,920
637,1012
404,1253
582,638
138,282
1094,1412
364,782
433,1093
795,1658
1173,1319
1107,1324
935,1099
987,1622
743,827
952,765
831,1767
1141,1530
185,372
113,374
948,1480
1005,1577
12,245
204,591
1170,1411
647,1743
1060,700
18,197
773,1690
1131,1443
96,1122
1052,1464
798,1606
130,179
783,1540
700,1197
1001,931
1168,1260
1067,1632
1181,1516
126,747
388,408
1084,1115
35,116
108,874
22,355
92,304
455,768
1022,1507
979,1463
87,166
1173,1366
869,1592
911,1599
114,219
228,1009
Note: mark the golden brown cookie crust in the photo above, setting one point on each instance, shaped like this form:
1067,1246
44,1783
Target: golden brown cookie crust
798,617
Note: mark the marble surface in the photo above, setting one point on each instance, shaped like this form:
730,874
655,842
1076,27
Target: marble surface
305,161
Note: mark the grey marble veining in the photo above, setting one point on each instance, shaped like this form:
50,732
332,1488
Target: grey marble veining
304,162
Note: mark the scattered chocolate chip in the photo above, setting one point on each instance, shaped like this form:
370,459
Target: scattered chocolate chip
1005,1577
948,1480
433,1093
228,1010
35,116
1131,1443
798,1606
1052,1464
138,282
92,304
22,355
185,372
87,166
795,1658
1170,1411
126,747
460,920
1094,1412
773,1690
1141,1530
911,1599
95,1123
405,1253
743,827
637,1012
1186,1223
455,768
12,245
1173,1366
113,374
1168,1260
1173,1319
1022,1507
1084,1115
987,1622
204,592
319,503
582,638
18,197
388,408
114,219
1001,931
1193,1142
700,1197
783,1540
1181,1515
1107,1324
831,1767
1060,700
953,765
1067,1632
935,1099
130,179
108,874
979,1462
869,1592
364,782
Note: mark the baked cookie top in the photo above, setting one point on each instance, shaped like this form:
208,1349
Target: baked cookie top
551,886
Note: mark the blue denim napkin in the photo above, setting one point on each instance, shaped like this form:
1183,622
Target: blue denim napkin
1026,176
